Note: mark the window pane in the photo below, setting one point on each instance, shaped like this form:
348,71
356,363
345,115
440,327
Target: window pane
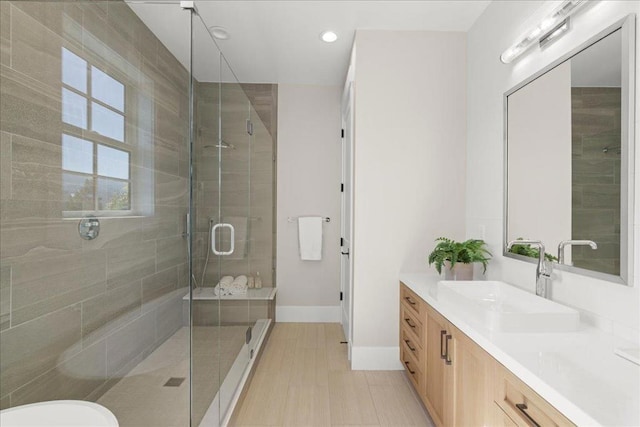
77,192
74,71
107,89
112,162
107,122
113,195
74,109
77,154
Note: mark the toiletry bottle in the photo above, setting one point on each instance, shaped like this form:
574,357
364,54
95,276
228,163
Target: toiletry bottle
258,281
250,282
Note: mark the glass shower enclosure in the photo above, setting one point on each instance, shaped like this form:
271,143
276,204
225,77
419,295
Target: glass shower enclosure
135,176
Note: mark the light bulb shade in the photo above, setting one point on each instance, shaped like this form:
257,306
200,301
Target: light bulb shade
550,28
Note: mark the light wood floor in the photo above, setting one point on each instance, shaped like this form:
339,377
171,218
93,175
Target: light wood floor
303,379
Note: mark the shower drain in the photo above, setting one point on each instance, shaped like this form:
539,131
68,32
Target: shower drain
174,382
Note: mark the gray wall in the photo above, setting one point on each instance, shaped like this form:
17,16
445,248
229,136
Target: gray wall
595,124
76,314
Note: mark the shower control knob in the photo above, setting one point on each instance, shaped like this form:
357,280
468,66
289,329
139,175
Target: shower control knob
89,227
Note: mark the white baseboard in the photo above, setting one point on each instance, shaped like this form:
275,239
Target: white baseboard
308,314
375,358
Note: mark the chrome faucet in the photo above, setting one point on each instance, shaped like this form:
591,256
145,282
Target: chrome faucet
564,243
543,271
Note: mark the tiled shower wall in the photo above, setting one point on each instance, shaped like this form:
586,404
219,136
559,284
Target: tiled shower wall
596,123
76,315
248,176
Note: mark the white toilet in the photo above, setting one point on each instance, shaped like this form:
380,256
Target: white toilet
58,413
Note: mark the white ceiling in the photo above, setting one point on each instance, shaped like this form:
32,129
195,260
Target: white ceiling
278,41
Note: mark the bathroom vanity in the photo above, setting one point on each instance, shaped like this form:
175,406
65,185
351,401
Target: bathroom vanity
470,370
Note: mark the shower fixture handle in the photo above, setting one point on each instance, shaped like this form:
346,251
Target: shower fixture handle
213,238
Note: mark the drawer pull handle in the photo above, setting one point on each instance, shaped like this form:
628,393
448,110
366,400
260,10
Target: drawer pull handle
410,301
410,323
409,345
413,372
446,350
522,407
442,334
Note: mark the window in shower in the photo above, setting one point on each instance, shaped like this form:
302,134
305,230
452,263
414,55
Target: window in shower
96,159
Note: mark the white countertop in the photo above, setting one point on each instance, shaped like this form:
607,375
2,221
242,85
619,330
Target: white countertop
578,372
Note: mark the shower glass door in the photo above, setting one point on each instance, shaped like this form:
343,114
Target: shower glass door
221,214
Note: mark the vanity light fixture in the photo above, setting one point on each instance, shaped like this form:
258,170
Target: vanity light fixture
550,28
328,36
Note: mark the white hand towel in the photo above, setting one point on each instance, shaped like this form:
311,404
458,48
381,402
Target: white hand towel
310,237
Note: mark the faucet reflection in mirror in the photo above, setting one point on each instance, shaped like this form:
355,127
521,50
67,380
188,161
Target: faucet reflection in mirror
543,269
564,243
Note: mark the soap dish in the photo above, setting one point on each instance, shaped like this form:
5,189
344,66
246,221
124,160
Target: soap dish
631,354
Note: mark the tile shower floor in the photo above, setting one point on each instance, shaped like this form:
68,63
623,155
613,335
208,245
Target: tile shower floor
141,399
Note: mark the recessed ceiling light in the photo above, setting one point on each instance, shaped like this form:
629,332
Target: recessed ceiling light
219,32
328,36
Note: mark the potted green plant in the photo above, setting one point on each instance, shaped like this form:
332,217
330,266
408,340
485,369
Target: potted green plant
527,250
458,258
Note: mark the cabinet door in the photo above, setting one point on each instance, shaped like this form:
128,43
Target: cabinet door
472,393
437,380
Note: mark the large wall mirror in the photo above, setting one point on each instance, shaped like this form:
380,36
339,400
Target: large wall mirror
569,150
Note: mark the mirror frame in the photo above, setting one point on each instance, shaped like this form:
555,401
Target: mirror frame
627,144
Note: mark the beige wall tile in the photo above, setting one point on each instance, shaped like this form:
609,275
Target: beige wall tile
33,348
130,342
169,318
36,50
116,232
170,252
5,297
5,166
40,280
159,284
108,311
5,402
28,108
75,378
39,240
128,263
5,33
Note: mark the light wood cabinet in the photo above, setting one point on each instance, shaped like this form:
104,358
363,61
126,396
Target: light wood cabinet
472,392
460,383
521,404
439,371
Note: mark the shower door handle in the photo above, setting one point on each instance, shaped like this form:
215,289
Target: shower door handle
213,239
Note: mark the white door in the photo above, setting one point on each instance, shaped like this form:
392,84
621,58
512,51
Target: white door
346,214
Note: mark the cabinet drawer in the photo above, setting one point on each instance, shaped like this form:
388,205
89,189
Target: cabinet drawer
413,371
411,346
411,300
500,419
410,323
523,405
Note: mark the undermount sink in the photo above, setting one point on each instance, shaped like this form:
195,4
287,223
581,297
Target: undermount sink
506,308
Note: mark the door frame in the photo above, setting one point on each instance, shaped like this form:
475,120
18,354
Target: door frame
347,142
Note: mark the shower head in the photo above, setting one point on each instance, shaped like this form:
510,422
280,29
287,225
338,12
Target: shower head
222,144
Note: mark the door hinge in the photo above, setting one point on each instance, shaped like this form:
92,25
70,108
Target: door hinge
341,133
249,127
340,296
342,188
342,241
